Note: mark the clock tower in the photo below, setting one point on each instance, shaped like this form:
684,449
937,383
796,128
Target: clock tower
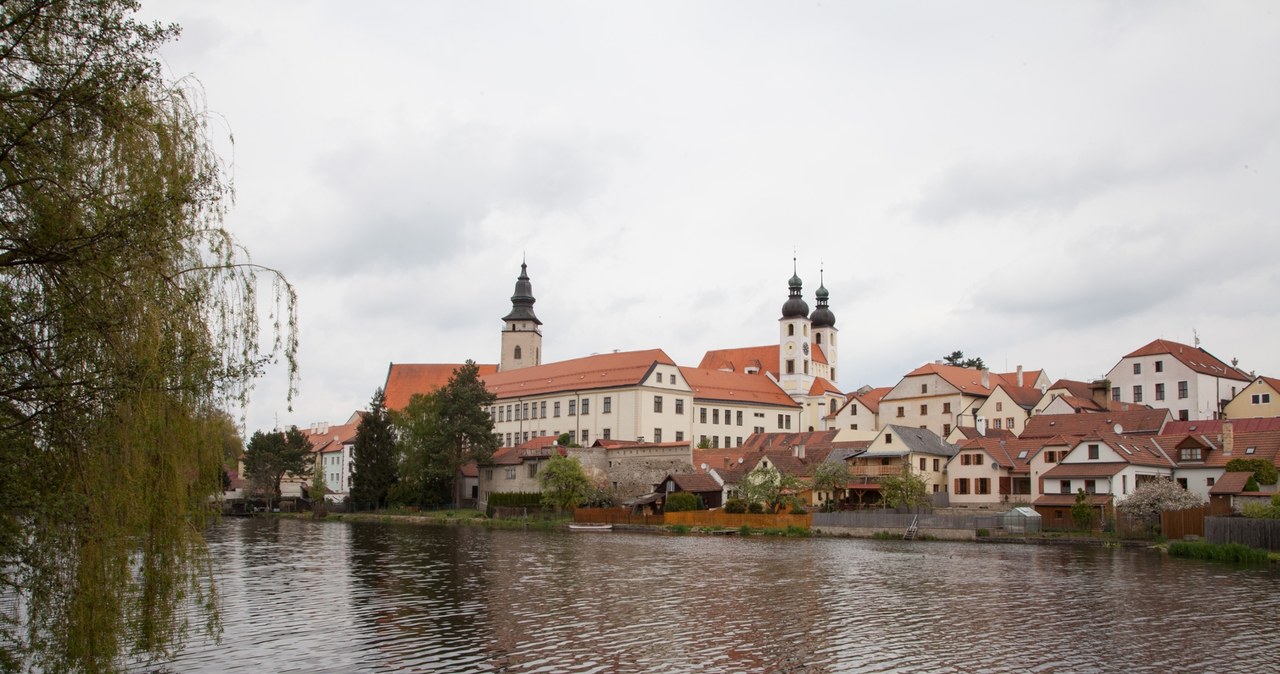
795,364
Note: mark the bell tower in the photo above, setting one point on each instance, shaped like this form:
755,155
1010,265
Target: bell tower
823,323
795,367
521,329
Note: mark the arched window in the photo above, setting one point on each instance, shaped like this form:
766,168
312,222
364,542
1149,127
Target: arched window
818,337
833,406
517,352
791,330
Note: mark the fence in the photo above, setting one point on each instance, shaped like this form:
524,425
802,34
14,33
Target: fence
1179,524
1255,533
862,519
723,520
614,516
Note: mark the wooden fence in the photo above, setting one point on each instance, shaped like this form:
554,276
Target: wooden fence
888,520
614,516
723,520
1255,533
1179,524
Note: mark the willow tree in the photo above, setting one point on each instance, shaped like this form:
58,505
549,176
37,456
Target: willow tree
128,321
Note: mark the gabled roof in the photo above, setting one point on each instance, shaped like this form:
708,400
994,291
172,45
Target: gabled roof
330,438
1013,454
764,358
966,380
788,463
912,440
1195,358
1079,389
1134,449
605,370
539,442
1214,426
971,433
1082,404
1250,444
404,380
821,385
692,482
1272,382
870,399
1131,422
735,387
1025,397
1231,483
1028,377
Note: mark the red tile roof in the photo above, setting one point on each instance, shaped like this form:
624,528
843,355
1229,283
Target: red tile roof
1215,425
870,399
1231,483
734,387
1193,357
694,482
332,438
1073,470
1029,377
967,380
765,358
971,433
1139,421
404,380
1008,453
1079,389
1265,445
1272,382
606,370
1025,397
821,386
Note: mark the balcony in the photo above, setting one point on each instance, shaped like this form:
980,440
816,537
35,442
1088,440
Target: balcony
874,471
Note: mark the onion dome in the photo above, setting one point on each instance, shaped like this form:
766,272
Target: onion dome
822,316
795,306
522,301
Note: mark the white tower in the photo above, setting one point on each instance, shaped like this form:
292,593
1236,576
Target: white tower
521,329
823,324
795,368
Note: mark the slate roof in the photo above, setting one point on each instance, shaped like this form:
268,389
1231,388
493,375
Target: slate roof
1139,421
406,379
734,387
912,440
1195,358
605,370
971,433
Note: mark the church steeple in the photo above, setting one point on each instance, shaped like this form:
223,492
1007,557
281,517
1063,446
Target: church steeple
521,334
795,306
822,316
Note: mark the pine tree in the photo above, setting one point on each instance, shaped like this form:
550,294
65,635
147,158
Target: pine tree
375,469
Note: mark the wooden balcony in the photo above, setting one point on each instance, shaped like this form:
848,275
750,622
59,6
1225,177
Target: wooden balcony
874,471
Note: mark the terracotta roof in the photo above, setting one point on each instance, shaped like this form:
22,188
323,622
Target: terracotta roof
821,386
971,433
788,463
1070,499
1139,421
1082,404
606,370
1265,446
1231,483
1215,425
332,438
1014,454
1193,357
505,456
1138,450
539,442
1071,470
1079,389
406,379
869,400
694,482
819,354
1272,382
765,358
1025,397
1028,378
967,380
470,469
734,387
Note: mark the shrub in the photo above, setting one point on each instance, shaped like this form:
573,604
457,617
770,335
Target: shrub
1264,471
799,510
983,533
744,530
755,508
678,528
797,532
885,536
1231,552
682,501
735,506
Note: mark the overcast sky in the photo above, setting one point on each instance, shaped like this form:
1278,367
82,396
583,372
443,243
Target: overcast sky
1045,184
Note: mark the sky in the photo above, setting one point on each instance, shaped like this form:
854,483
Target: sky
1049,184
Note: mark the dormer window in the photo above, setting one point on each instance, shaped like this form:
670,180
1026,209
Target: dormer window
1192,454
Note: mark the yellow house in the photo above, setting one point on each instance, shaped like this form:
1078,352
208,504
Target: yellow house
1261,398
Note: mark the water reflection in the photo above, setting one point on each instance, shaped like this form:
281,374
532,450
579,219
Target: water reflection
340,597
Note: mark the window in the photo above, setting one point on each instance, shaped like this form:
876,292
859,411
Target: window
1191,454
659,377
511,473
738,417
791,330
888,438
833,406
1250,450
726,441
1183,415
657,403
608,404
679,405
555,408
1064,486
853,409
524,411
501,418
982,485
586,406
946,408
1090,486
962,485
715,416
924,410
1137,368
1182,482
923,463
1261,398
657,435
818,338
780,416
585,435
605,434
573,406
787,419
1008,423
702,416
995,423
1159,366
999,407
935,465
679,436
791,366
533,469
517,353
1182,390
543,409
1115,393
1159,391
806,366
1093,452
924,389
573,437
1137,393
946,429
738,440
902,411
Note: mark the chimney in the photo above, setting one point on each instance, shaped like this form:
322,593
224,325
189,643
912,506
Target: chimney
1228,438
986,378
798,450
1019,376
1101,393
981,425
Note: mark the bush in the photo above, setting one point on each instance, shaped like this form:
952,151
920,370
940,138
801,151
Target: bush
679,528
885,536
516,499
1231,552
1264,471
735,506
799,510
755,508
744,530
682,501
983,533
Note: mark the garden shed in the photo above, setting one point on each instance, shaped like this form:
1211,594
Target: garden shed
1021,520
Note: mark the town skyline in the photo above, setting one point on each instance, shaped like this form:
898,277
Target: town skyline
1050,186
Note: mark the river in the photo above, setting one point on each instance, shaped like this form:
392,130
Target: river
304,596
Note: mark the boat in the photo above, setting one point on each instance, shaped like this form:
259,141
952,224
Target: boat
590,527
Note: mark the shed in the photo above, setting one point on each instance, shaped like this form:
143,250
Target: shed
1021,520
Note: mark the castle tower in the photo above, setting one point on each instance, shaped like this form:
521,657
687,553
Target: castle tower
521,329
794,358
823,323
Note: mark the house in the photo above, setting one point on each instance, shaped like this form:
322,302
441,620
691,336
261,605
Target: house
1229,495
332,447
701,485
860,411
895,447
1008,407
1067,396
1203,452
1140,421
730,406
1106,467
940,397
1187,380
1261,398
991,473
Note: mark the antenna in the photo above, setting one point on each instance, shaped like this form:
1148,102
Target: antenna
1196,335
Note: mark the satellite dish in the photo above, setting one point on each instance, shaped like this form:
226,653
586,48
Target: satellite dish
995,466
704,466
1118,429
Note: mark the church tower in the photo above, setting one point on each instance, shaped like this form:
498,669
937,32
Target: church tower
521,329
795,369
823,323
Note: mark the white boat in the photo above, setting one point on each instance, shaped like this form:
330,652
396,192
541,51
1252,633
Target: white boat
590,527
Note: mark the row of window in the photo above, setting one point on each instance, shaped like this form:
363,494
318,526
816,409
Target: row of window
981,485
1137,367
1183,391
714,441
924,410
1261,398
538,410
